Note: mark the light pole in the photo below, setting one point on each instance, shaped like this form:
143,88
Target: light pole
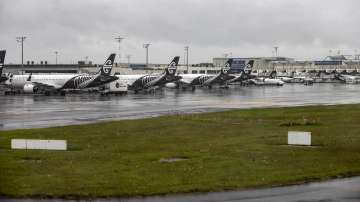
276,50
146,46
21,40
187,58
119,39
56,57
128,58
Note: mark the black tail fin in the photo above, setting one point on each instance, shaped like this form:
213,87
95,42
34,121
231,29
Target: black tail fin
227,67
272,74
2,60
248,67
106,68
171,69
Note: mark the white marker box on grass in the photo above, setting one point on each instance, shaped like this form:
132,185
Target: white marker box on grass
38,144
299,138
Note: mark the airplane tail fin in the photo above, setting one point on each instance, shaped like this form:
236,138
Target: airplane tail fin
227,67
2,60
106,68
249,66
171,69
272,74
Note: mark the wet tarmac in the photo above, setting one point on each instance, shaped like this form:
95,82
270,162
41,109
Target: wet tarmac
28,111
33,111
341,190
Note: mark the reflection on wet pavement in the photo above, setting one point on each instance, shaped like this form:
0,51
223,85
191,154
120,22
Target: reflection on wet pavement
29,111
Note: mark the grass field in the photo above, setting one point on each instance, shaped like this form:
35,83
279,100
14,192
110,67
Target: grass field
224,150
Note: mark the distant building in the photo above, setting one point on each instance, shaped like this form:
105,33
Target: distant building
259,62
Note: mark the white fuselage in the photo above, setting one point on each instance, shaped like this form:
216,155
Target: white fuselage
56,80
129,79
267,81
350,79
189,78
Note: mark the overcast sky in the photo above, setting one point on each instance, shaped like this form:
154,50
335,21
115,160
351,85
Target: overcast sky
303,29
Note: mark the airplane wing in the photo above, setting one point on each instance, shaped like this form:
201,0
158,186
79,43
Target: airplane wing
218,79
46,86
155,81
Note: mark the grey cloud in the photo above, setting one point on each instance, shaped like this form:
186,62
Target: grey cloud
302,28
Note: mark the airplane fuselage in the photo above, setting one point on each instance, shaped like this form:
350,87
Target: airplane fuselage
18,81
141,82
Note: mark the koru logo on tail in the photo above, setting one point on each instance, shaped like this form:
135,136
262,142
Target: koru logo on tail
172,64
248,66
226,69
107,66
172,67
171,70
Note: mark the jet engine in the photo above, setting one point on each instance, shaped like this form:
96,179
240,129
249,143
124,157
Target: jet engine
30,88
171,85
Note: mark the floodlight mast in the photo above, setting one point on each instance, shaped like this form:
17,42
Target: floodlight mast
56,57
21,40
146,46
187,58
276,50
128,58
119,39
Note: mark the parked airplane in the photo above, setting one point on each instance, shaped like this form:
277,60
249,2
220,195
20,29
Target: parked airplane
352,79
285,76
245,73
193,80
59,83
262,81
267,80
140,82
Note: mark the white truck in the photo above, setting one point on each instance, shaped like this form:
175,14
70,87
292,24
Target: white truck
116,87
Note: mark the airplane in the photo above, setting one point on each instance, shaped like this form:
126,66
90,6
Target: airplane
351,79
60,83
267,80
245,73
285,77
139,82
262,81
193,80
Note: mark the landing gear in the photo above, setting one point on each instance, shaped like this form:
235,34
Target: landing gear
9,92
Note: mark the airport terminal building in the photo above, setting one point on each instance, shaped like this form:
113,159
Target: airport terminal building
260,63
